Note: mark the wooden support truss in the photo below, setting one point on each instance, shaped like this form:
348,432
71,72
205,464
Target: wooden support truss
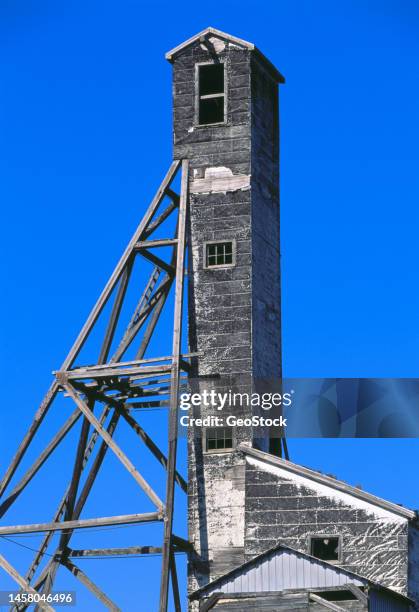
106,392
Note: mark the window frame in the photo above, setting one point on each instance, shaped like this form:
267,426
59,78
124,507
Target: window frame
224,265
198,97
211,451
324,536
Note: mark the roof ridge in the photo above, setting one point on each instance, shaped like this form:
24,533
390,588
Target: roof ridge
279,78
205,32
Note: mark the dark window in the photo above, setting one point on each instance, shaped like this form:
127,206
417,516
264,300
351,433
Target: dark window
219,254
219,438
325,548
211,94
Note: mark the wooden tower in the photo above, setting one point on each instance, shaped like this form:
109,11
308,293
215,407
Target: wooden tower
225,122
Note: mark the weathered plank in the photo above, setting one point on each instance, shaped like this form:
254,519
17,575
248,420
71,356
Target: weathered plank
105,552
148,244
325,603
157,261
108,372
174,394
105,521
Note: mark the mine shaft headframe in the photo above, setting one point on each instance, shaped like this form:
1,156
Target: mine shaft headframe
118,386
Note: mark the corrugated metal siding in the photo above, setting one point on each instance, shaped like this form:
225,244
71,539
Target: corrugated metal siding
384,602
284,569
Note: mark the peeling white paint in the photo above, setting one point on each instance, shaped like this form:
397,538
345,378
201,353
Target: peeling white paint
225,513
220,180
323,490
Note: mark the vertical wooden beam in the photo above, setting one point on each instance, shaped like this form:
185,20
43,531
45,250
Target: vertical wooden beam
174,389
175,584
159,307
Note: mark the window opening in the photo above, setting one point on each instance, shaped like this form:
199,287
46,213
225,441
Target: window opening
211,94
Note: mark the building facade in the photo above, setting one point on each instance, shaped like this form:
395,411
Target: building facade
243,499
225,116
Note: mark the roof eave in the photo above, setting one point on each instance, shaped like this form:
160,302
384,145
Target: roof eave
276,75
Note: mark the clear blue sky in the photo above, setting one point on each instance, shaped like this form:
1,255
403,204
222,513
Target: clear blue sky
85,132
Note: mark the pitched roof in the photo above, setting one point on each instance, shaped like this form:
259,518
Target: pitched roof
260,575
239,42
333,483
252,575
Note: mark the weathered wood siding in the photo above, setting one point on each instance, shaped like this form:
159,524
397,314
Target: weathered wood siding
234,316
287,509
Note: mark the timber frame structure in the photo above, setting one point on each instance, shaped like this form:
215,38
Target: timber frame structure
112,387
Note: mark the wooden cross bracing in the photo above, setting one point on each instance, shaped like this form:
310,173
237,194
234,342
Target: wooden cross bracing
105,393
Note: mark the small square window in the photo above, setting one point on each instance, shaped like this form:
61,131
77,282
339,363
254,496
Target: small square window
218,438
326,548
219,254
211,94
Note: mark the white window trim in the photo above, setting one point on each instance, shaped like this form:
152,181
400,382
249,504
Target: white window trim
220,266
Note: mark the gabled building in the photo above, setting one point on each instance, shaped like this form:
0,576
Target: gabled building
243,498
303,533
283,578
